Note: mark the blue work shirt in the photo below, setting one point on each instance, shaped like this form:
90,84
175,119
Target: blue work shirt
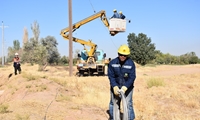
122,16
115,15
121,75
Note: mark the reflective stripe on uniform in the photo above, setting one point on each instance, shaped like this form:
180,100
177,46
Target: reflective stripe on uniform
127,66
116,65
124,66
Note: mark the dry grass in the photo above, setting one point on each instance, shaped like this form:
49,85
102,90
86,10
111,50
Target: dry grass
160,93
3,108
155,82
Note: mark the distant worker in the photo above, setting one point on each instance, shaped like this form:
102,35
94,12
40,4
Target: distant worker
115,15
121,74
16,64
121,15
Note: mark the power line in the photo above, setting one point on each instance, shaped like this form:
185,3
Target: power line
104,28
92,6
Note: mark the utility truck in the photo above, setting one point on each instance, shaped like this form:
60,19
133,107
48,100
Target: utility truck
93,61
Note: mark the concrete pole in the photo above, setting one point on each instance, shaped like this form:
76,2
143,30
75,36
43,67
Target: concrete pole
3,43
6,51
70,39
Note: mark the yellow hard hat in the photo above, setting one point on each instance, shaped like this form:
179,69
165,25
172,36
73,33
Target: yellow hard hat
120,12
114,10
124,50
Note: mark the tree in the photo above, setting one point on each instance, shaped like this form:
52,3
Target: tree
142,50
159,57
189,58
25,36
64,60
41,56
31,46
51,46
36,30
198,61
16,44
28,51
41,52
13,50
193,58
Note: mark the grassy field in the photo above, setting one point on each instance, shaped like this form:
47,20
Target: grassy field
161,93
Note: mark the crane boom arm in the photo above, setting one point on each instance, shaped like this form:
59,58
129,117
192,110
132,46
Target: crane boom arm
83,42
101,14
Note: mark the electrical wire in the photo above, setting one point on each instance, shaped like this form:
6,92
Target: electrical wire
102,23
92,6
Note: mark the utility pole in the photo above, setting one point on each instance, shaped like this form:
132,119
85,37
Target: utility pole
3,42
70,38
6,51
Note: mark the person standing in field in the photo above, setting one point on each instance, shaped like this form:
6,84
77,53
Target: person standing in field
121,74
16,64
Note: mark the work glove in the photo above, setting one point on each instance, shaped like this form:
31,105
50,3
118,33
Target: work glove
123,89
116,90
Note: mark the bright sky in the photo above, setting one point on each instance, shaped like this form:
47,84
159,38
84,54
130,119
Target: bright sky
173,25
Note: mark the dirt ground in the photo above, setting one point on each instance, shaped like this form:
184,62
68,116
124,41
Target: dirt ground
48,95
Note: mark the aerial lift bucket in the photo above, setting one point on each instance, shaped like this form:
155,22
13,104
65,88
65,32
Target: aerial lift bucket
117,25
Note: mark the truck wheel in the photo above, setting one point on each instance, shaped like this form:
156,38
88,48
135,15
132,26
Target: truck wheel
90,72
101,74
78,74
81,73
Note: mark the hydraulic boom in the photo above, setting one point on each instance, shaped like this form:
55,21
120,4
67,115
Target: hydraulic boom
102,15
91,61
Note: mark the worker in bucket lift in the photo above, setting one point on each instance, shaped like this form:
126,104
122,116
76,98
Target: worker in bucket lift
115,15
16,64
121,15
121,74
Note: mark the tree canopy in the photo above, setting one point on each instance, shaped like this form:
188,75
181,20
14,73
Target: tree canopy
50,43
141,48
41,51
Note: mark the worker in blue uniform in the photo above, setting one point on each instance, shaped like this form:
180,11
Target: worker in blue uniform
115,15
121,74
121,15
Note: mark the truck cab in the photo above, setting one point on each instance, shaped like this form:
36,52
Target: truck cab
93,68
99,55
